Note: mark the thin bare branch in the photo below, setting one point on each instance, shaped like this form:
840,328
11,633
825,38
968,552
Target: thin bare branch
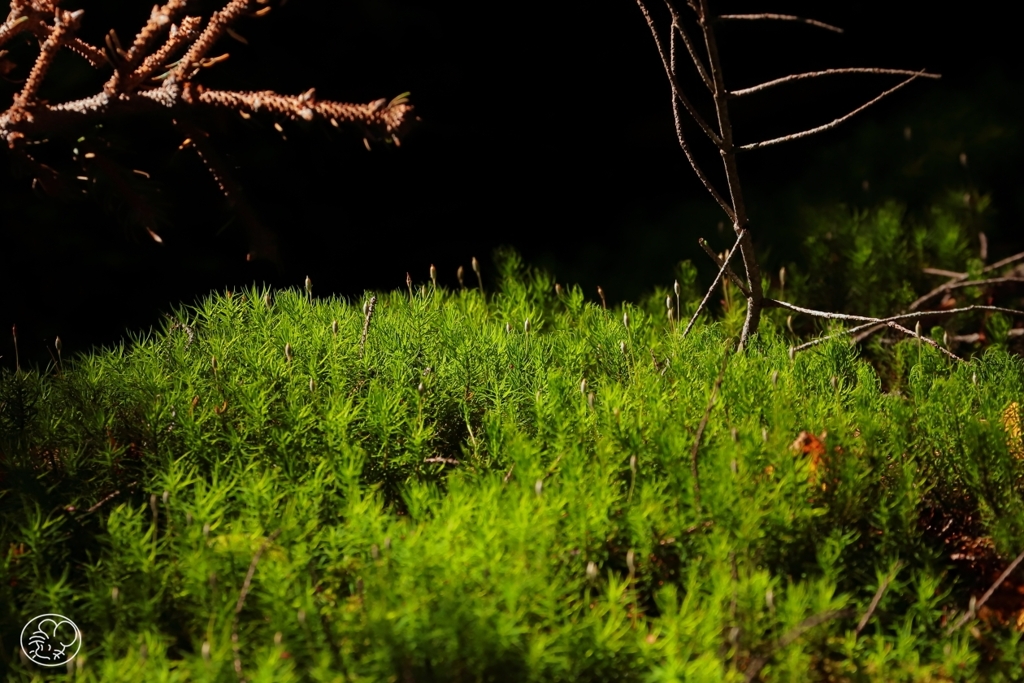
988,594
832,124
876,599
927,340
780,17
728,269
1009,260
879,322
261,239
677,90
714,284
827,72
944,273
241,600
680,136
957,278
702,426
677,25
720,94
959,283
757,663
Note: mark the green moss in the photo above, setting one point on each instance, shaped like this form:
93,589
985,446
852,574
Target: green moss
465,500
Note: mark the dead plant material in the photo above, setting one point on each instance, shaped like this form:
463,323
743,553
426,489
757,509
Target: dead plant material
159,73
709,66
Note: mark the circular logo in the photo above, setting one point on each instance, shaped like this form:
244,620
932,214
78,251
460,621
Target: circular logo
51,640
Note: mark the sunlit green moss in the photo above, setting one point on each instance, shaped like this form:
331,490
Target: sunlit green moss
467,499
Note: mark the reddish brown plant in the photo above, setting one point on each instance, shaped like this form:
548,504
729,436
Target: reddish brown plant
159,73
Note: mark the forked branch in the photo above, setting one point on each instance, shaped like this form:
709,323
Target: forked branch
147,78
835,122
709,68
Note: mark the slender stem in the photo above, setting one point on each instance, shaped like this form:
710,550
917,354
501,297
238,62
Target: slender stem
988,594
714,284
678,118
728,269
831,124
677,24
827,72
780,17
728,152
677,91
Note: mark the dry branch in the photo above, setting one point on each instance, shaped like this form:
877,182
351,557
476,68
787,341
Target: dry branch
145,79
828,72
780,17
988,594
721,270
721,263
835,122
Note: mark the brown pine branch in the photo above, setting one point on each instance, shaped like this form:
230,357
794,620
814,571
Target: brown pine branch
179,37
65,23
780,17
828,72
160,18
832,124
219,24
137,86
261,239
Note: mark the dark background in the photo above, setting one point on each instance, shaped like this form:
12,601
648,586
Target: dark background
545,127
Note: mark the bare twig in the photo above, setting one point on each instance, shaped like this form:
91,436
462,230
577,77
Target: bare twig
241,600
926,340
879,322
100,503
757,663
827,72
728,268
702,426
970,614
721,270
831,124
876,599
366,323
721,98
677,91
677,24
780,17
956,281
944,273
441,461
960,283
